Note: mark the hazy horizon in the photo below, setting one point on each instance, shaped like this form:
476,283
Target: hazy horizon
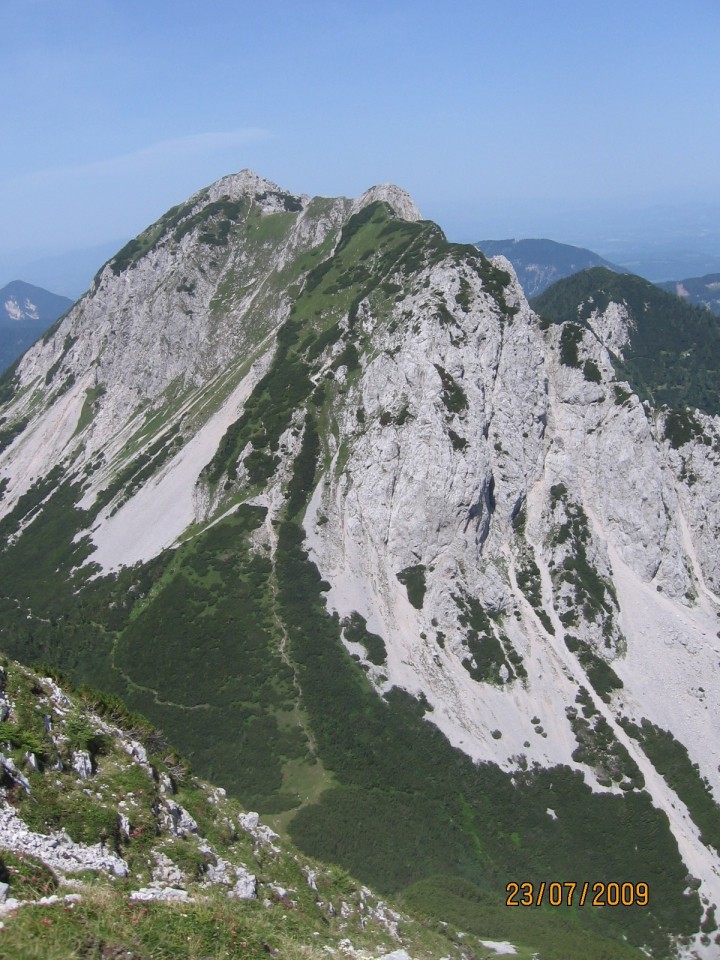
581,123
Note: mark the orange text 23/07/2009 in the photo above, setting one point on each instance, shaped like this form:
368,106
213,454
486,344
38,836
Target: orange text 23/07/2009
570,893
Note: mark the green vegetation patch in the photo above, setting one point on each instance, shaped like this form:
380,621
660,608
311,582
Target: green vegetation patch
268,411
527,574
681,427
591,372
621,395
356,631
304,468
10,432
458,442
9,382
570,340
673,354
601,675
488,650
223,680
27,878
454,397
670,758
594,598
89,407
413,579
551,933
599,747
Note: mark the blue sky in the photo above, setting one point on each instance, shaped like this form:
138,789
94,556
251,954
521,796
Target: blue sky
512,118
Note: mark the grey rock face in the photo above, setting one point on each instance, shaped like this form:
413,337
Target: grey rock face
144,894
178,821
57,850
245,886
8,765
82,764
165,872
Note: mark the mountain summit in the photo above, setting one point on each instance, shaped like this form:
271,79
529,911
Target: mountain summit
428,579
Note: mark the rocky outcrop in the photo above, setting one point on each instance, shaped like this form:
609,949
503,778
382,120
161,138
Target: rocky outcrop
56,849
173,863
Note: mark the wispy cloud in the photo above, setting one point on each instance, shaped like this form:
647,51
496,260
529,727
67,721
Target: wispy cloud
153,155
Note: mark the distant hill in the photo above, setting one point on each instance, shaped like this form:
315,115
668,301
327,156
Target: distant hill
540,263
702,291
672,355
69,273
25,313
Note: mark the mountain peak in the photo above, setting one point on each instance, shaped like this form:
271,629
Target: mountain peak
400,200
244,183
248,183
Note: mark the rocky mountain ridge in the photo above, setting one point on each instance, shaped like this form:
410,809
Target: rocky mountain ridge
362,436
88,815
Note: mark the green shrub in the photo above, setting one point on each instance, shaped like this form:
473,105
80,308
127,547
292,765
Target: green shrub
671,759
413,579
356,631
681,426
454,396
570,340
591,372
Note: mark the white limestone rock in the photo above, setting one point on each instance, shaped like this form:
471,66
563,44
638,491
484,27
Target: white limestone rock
166,872
82,764
245,886
397,198
10,768
613,326
167,894
177,820
250,823
57,850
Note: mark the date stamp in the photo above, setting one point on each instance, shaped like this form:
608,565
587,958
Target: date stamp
571,894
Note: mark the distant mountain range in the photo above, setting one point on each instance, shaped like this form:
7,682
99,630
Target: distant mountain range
540,263
25,313
702,291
